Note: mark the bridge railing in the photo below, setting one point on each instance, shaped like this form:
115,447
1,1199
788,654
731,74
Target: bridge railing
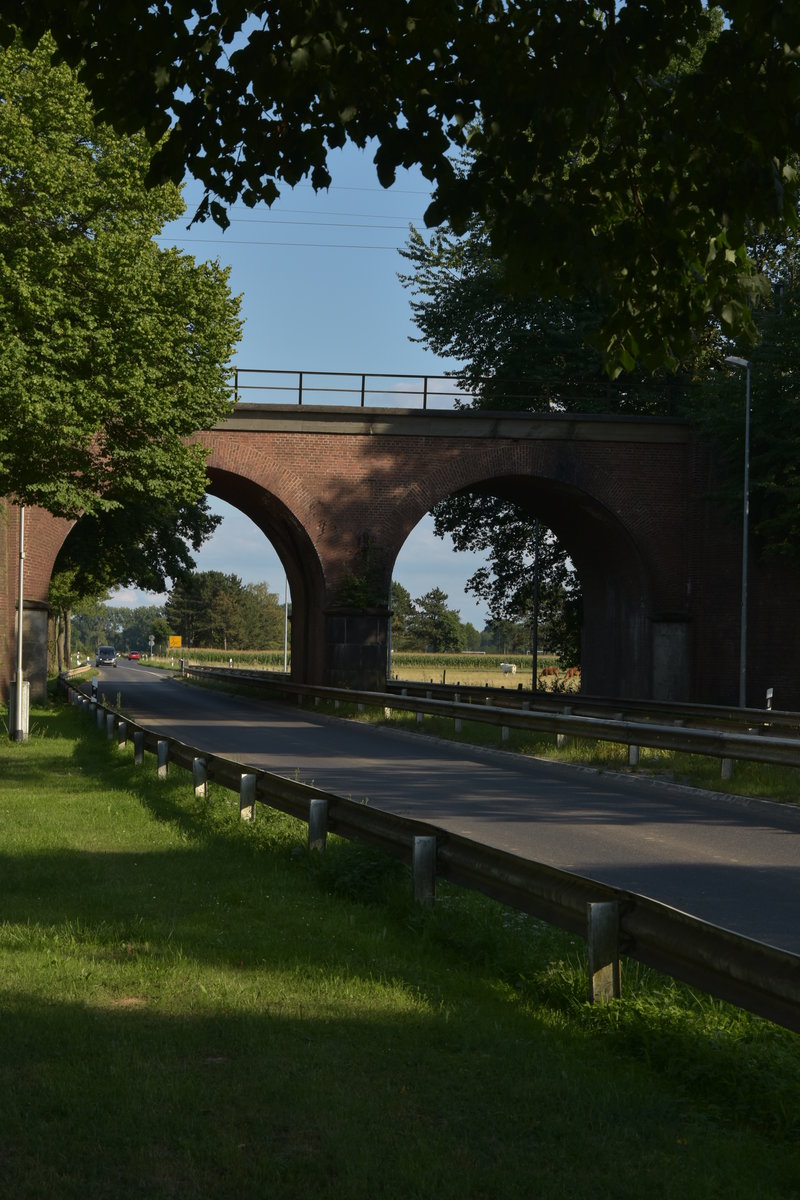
753,975
364,389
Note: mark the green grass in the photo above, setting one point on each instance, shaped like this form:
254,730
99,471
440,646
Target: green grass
195,1007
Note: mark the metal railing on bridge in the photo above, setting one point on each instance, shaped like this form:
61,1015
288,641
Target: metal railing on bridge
367,389
383,389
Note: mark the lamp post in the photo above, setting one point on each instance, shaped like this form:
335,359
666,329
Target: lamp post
20,723
535,631
744,362
285,624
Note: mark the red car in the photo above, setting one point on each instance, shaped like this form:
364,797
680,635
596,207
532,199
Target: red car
134,654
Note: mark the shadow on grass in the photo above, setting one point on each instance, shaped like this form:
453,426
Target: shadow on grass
121,1102
220,1028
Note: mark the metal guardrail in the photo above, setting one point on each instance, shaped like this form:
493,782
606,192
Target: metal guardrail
579,704
750,974
714,743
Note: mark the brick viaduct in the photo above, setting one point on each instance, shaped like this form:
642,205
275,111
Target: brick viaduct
338,490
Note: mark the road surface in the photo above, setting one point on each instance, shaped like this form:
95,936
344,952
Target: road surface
733,863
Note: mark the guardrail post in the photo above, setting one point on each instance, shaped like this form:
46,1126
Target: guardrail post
633,756
503,733
457,722
138,748
247,798
122,734
387,714
424,870
561,738
200,778
317,824
726,771
110,719
602,936
162,758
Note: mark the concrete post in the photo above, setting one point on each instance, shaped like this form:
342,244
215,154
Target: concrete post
200,778
247,798
138,747
162,751
21,710
318,824
602,936
424,870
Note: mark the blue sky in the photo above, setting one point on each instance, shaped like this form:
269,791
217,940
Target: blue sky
318,278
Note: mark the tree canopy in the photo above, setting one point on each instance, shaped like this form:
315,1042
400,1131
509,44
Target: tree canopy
211,608
114,351
620,150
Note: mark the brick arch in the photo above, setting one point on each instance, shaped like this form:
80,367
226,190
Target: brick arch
625,586
615,577
632,497
296,551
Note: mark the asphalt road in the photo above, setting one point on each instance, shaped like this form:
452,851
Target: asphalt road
733,863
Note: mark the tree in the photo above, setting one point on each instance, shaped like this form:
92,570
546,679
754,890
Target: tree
114,351
206,609
523,351
93,623
142,544
774,490
137,626
209,608
402,608
622,150
433,626
262,617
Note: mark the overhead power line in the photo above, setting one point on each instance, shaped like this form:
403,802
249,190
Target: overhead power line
245,242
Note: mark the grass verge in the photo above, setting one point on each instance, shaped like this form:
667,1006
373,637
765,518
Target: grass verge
195,1007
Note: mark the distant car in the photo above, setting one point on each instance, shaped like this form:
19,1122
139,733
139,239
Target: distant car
106,657
134,654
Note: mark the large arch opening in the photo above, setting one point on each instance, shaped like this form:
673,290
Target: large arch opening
298,559
280,546
621,634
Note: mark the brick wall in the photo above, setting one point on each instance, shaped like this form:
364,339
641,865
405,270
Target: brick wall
336,489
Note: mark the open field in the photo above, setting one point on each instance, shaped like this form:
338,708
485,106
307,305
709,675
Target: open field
478,670
195,1007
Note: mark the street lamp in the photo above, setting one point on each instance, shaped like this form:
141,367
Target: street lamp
20,716
744,362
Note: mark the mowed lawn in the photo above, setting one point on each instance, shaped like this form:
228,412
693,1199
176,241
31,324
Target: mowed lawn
193,1007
